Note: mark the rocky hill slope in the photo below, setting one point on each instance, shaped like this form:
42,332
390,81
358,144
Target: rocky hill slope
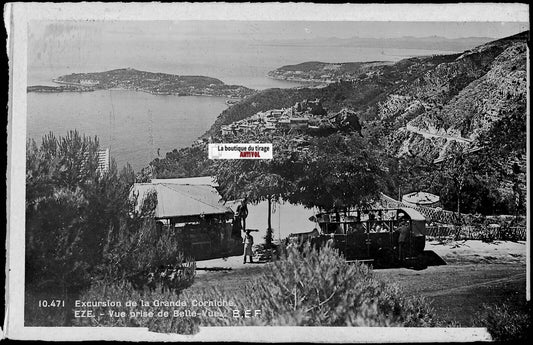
425,105
415,112
362,93
460,99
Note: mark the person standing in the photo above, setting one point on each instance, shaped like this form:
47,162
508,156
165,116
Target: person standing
402,239
236,227
242,211
248,243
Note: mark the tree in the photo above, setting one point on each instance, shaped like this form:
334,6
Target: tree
459,170
258,180
71,208
409,174
82,226
504,154
480,180
57,173
334,172
186,162
338,172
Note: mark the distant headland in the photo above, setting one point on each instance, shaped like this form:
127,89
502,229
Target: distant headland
154,83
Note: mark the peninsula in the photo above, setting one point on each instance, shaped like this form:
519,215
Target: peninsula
154,83
315,72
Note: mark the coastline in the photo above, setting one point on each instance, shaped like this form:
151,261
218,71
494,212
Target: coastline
307,82
84,88
155,83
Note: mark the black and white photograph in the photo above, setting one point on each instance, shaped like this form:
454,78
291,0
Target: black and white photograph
268,172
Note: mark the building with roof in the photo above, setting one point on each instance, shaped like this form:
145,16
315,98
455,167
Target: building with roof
193,210
277,112
298,122
226,130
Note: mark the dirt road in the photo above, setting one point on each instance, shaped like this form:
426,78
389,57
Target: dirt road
458,292
475,274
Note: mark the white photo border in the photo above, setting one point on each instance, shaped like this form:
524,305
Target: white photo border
18,15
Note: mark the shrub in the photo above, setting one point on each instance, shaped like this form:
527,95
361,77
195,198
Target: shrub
311,288
162,284
303,289
505,324
487,236
513,234
142,254
136,306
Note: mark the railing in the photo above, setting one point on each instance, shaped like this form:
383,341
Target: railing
431,214
484,233
441,231
464,228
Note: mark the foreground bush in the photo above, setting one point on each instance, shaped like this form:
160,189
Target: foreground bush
144,256
304,289
505,324
313,288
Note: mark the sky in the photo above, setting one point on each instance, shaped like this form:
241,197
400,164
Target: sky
272,30
309,30
72,43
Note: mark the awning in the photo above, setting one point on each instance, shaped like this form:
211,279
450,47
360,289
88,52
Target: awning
175,199
420,198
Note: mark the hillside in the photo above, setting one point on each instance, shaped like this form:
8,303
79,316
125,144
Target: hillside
459,100
361,94
424,102
323,72
414,113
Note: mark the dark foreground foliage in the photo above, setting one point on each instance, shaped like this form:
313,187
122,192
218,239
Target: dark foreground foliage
82,226
307,288
506,324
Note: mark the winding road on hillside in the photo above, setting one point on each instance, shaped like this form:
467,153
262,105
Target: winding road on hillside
426,134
